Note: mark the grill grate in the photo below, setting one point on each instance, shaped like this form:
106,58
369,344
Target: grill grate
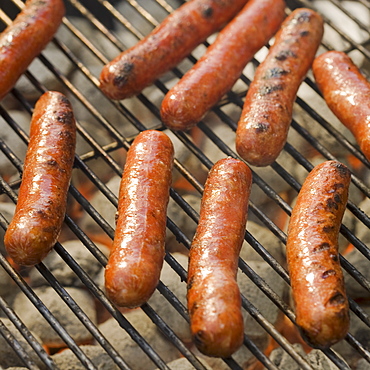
106,129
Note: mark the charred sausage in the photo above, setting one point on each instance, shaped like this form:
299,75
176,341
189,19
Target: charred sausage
170,42
42,197
347,93
267,112
213,296
26,37
217,71
136,258
316,277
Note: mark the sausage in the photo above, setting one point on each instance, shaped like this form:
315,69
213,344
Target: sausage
138,249
222,64
42,197
213,296
170,42
267,112
26,37
320,300
346,92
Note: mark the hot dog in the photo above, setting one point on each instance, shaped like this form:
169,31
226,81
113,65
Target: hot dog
213,296
347,93
170,42
138,249
316,277
267,112
26,37
217,71
42,197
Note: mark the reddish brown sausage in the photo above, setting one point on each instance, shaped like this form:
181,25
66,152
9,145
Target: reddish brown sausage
214,301
217,71
136,258
264,123
42,198
169,43
26,37
347,93
312,254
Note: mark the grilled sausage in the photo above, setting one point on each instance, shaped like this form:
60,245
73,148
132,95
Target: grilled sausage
42,198
220,67
137,254
347,93
319,295
170,42
26,37
267,112
213,296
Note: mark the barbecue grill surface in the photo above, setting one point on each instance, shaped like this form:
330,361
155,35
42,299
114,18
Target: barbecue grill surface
92,33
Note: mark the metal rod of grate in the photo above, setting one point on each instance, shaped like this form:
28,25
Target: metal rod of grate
119,28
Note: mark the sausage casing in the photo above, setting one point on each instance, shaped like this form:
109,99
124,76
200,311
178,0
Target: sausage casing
267,112
170,42
42,197
213,296
137,254
26,37
317,282
222,64
347,93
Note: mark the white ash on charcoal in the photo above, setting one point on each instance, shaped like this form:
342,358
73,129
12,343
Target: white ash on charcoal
62,272
96,354
269,310
184,222
129,349
9,358
316,359
7,210
360,230
184,364
102,205
164,309
8,288
38,324
343,22
213,362
267,239
354,289
11,138
362,365
360,331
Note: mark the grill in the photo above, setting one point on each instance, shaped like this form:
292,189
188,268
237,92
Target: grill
94,31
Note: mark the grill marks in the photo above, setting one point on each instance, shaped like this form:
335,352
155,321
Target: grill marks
317,281
270,98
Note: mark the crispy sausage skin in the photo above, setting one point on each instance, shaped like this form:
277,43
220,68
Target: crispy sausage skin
213,295
347,93
137,254
170,42
222,64
267,112
42,198
320,300
26,37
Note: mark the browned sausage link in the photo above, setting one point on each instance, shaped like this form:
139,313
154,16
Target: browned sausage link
347,93
136,258
217,71
26,37
42,198
169,43
264,123
214,301
317,283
